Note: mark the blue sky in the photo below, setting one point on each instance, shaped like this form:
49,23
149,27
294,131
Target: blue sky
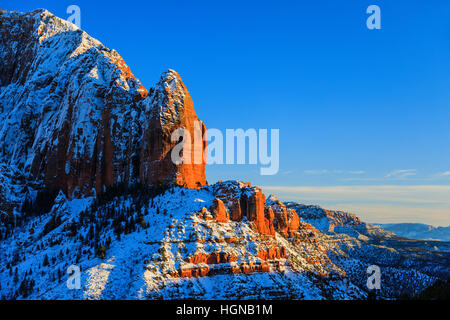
356,108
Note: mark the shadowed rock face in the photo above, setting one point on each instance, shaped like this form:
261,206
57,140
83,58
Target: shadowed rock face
73,116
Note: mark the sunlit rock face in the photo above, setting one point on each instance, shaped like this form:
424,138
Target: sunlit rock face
73,116
171,108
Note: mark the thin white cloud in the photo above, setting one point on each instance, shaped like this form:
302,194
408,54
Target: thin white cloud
323,171
445,174
357,172
362,179
401,174
335,171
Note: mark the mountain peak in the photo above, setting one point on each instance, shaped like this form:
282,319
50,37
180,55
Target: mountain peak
172,85
170,72
75,117
171,107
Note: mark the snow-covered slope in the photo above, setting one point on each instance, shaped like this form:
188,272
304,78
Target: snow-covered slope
60,92
144,243
137,246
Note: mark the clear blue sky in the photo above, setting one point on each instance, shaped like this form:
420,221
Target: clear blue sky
355,107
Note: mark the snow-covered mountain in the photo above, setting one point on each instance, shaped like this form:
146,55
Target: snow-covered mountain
74,117
87,180
418,231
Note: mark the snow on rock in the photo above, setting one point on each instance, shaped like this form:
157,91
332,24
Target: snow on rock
325,220
171,245
180,245
73,116
172,109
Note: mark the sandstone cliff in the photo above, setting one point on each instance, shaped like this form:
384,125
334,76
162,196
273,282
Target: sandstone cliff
73,116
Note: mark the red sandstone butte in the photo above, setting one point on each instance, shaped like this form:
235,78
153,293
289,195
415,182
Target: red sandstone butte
235,209
253,207
219,211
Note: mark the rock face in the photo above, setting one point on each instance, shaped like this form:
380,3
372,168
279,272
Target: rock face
73,116
244,201
286,220
220,211
254,208
172,108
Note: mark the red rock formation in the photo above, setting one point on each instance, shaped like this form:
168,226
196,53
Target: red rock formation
173,109
286,221
293,221
245,268
200,271
253,207
269,217
243,200
219,211
211,258
236,210
272,253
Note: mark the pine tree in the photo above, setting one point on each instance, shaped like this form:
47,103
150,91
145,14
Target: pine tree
45,262
16,276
